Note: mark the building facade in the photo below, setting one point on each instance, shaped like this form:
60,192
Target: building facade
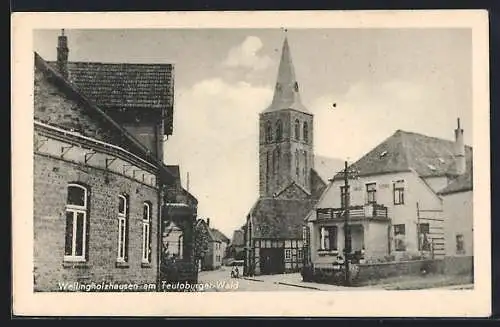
98,183
288,184
400,203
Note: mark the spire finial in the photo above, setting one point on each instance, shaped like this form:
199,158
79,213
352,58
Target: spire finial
62,32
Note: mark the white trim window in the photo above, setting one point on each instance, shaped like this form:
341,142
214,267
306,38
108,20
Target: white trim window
75,248
122,228
288,254
146,233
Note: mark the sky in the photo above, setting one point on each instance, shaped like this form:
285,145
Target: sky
381,80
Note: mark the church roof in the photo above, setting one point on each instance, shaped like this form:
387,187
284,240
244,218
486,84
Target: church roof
279,218
403,151
286,92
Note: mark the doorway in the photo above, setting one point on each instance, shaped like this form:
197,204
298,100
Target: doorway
272,261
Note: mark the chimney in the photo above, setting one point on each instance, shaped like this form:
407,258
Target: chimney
62,54
460,164
208,222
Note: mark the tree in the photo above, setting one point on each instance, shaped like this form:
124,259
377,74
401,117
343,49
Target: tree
201,240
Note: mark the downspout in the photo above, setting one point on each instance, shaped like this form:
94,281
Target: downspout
159,234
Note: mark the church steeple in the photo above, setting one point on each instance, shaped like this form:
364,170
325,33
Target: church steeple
286,91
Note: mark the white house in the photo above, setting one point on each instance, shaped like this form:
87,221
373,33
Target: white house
403,203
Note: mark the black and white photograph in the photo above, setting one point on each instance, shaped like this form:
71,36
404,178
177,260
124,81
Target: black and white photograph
331,161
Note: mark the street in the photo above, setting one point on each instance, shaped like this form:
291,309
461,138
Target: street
221,281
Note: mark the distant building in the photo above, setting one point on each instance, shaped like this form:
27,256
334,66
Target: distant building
412,197
98,170
289,185
236,248
213,244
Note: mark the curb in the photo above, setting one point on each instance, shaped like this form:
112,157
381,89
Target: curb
252,279
301,286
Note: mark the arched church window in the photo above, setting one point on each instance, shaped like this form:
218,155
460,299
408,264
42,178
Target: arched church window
276,160
296,87
269,132
268,169
297,129
279,130
297,163
304,168
306,133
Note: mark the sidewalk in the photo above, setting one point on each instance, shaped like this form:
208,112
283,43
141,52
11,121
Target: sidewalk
400,283
295,280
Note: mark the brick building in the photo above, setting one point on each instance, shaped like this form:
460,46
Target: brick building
99,177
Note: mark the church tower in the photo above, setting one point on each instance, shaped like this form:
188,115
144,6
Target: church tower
286,134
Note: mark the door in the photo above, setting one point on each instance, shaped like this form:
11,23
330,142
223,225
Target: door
272,261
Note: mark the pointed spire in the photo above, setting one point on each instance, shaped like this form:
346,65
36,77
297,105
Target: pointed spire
286,92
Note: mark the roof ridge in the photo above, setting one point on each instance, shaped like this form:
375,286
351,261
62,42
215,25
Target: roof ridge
116,63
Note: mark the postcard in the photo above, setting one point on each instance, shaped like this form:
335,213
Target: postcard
314,163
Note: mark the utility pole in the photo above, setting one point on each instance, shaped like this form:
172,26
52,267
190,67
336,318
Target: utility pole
346,201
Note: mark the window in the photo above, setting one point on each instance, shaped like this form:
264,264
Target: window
276,160
304,169
305,234
423,237
300,254
297,129
180,246
122,228
306,132
76,238
344,193
269,132
279,130
399,192
268,170
328,238
371,193
297,163
146,233
460,244
288,254
399,237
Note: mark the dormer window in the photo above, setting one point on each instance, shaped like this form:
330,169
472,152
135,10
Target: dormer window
296,87
383,154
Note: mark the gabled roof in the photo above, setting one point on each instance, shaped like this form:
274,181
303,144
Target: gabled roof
462,183
403,151
279,218
286,92
318,185
327,167
126,85
219,235
69,89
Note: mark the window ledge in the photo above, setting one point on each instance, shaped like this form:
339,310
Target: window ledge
328,252
122,264
76,264
146,265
